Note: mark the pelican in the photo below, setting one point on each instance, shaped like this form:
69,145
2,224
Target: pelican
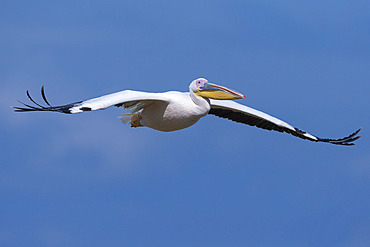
170,111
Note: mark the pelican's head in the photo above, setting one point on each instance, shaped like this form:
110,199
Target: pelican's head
201,87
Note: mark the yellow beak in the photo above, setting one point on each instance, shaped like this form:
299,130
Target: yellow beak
213,91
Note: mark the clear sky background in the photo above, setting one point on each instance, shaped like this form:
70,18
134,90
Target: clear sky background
86,180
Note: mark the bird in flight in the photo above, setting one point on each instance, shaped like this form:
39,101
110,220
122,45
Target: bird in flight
170,111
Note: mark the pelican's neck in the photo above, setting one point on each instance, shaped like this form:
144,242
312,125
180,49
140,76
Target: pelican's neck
203,104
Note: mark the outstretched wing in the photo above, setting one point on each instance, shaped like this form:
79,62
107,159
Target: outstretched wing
126,99
244,114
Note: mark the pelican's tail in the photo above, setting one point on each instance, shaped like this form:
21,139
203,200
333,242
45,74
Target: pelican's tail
125,118
132,118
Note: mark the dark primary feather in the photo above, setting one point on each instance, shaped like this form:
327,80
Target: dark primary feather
252,120
38,107
343,141
43,95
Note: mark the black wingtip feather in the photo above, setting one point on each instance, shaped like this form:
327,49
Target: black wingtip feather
43,95
29,96
38,107
346,141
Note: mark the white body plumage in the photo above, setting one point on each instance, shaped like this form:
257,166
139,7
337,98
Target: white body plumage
172,111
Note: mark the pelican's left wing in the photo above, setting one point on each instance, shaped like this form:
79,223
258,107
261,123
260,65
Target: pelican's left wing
244,114
126,98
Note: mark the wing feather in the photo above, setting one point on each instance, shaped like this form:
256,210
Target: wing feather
126,98
246,115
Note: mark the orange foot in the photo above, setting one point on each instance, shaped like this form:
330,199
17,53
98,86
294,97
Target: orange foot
135,120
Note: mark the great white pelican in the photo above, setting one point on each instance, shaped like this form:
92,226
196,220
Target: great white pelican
170,111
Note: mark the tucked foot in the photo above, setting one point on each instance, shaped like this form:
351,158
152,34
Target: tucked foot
135,120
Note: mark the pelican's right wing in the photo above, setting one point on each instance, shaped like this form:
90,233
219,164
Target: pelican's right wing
126,98
244,114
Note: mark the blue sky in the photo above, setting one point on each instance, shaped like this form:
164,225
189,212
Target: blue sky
86,180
